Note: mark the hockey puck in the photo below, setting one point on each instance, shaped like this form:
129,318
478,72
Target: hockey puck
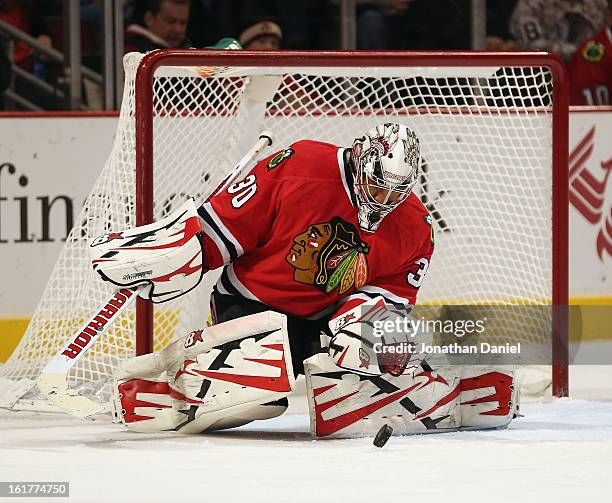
383,435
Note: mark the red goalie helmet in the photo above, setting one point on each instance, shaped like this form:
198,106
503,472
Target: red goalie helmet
386,161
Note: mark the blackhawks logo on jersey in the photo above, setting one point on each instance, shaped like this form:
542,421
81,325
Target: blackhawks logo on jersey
330,256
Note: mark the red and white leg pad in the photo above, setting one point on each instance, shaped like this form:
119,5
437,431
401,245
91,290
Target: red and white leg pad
344,404
220,377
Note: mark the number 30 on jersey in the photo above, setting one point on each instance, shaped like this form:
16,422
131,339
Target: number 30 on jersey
244,191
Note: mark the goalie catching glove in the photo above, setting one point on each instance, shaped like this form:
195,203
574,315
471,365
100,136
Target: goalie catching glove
166,257
361,344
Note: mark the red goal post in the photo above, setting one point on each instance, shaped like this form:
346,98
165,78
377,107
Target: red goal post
558,108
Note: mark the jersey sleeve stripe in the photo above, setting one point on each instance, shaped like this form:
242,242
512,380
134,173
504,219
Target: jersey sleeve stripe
361,296
228,245
210,232
237,284
373,291
220,288
403,306
224,285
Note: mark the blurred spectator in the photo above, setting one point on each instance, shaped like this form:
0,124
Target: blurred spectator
372,22
499,37
590,69
211,20
297,92
306,24
293,17
23,16
5,72
128,10
33,20
91,19
164,25
372,18
91,11
261,36
427,25
557,25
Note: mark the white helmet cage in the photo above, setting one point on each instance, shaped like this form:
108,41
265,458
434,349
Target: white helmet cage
388,159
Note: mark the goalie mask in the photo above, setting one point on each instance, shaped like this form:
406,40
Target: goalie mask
386,163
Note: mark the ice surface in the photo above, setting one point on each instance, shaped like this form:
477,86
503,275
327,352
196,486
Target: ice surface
560,451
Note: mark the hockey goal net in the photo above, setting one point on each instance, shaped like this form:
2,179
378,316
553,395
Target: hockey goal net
493,130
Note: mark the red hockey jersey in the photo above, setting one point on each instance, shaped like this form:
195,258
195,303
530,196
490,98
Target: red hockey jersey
288,236
590,71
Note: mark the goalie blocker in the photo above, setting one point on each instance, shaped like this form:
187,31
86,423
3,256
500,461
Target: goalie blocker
165,257
158,262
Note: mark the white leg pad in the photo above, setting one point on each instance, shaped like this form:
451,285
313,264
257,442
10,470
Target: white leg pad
344,404
242,365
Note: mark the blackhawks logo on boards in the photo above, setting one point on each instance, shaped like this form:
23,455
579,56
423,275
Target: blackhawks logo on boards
593,52
330,256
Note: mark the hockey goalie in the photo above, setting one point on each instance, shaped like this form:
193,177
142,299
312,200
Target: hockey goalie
317,243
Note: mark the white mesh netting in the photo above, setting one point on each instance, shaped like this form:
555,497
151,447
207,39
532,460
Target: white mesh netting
486,136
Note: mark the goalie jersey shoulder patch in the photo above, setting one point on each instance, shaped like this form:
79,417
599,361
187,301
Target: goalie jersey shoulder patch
278,159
